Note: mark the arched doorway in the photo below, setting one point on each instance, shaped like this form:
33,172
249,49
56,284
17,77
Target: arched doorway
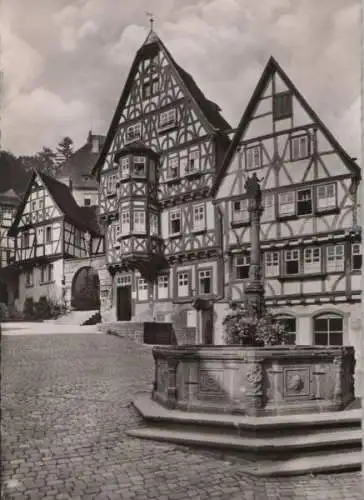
85,290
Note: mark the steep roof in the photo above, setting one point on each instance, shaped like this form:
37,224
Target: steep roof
273,67
9,197
62,196
209,109
79,166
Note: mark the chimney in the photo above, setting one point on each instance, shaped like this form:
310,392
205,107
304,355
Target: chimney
95,148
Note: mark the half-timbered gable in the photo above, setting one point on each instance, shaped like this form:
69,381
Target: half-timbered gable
309,227
8,205
156,171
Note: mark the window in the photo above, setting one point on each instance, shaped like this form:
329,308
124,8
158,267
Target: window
241,266
124,280
133,132
139,222
175,222
304,202
253,157
193,163
87,202
48,237
153,224
26,240
34,206
173,167
183,284
268,205
41,203
124,167
356,256
289,324
328,330
291,261
78,237
139,166
125,222
29,278
300,147
335,258
312,260
204,281
163,285
151,88
326,197
287,204
46,273
271,264
111,184
282,106
199,221
142,289
240,211
167,118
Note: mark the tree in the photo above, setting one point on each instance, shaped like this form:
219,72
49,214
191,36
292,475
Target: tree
47,161
13,174
65,148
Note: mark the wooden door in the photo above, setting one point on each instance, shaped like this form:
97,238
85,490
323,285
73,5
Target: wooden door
124,303
207,326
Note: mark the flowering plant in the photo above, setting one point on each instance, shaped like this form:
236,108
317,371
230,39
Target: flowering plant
261,331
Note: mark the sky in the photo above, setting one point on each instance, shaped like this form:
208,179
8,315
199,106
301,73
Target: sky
65,62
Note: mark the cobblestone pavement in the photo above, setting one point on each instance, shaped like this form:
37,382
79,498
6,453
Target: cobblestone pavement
65,408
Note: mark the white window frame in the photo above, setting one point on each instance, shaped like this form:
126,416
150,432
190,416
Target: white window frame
153,224
287,203
204,274
48,232
125,167
312,260
271,264
183,283
307,198
292,256
139,161
172,167
199,217
125,222
193,161
133,132
326,197
242,215
356,250
300,146
335,258
253,157
139,221
163,286
142,290
111,184
269,208
175,215
124,280
241,261
328,332
168,118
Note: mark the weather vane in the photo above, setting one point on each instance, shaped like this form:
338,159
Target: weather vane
151,19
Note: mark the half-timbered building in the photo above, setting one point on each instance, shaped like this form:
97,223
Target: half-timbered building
49,229
9,201
310,232
156,170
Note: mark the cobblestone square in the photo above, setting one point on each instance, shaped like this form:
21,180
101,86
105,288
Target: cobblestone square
66,403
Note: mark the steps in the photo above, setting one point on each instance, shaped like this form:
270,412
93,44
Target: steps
74,318
94,320
269,446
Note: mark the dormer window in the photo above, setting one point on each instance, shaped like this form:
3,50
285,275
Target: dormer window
282,106
124,167
193,163
167,118
253,157
133,132
139,166
173,167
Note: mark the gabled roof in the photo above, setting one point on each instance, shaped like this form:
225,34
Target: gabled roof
79,166
64,200
209,109
9,197
273,67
